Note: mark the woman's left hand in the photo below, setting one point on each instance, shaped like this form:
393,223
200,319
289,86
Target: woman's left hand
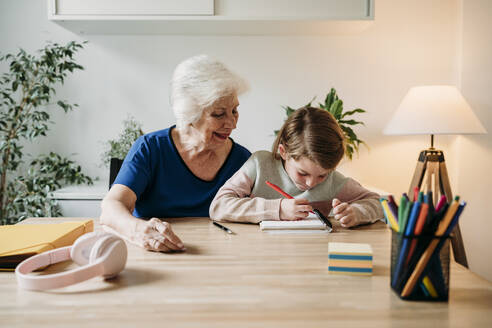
345,213
156,235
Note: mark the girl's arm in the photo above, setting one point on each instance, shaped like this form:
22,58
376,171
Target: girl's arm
235,203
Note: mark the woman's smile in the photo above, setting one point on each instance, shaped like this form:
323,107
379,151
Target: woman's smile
222,136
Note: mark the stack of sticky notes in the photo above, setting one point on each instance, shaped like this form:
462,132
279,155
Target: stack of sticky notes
350,258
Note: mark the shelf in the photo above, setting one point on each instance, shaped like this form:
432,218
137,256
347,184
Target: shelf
230,17
216,26
81,192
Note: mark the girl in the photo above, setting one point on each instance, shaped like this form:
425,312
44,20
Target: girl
302,163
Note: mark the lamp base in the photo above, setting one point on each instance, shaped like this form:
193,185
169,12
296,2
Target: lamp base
431,175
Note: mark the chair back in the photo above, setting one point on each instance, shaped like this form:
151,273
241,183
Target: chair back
114,168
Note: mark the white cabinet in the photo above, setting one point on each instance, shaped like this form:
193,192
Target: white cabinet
130,7
295,9
81,201
209,17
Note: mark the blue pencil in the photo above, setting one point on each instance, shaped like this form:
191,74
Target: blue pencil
455,219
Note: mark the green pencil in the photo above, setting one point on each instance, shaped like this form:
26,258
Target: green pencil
406,212
401,209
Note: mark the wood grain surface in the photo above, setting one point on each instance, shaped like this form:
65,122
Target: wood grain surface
249,279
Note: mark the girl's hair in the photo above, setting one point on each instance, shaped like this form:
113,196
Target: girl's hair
197,83
313,133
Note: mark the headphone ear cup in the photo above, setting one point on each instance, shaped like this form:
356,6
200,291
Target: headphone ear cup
99,246
111,251
81,249
115,256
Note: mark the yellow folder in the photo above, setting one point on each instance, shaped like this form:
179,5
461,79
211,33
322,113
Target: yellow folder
20,241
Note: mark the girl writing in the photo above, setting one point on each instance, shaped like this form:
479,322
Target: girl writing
304,157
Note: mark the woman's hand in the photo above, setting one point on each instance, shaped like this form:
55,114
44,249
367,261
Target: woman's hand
294,209
345,213
156,235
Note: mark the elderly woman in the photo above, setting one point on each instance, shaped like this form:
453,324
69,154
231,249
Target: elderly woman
176,172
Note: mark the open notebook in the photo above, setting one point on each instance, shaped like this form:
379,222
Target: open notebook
310,223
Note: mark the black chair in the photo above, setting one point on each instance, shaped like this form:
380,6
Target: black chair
114,168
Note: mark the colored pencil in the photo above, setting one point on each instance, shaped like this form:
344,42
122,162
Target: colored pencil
424,259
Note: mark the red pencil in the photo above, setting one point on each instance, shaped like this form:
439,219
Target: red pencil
441,203
283,193
277,188
415,193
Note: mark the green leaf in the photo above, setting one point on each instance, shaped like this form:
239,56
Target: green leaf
352,112
288,110
63,105
336,109
349,150
330,98
350,122
309,104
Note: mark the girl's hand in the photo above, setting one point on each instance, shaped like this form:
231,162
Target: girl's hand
156,235
294,209
345,213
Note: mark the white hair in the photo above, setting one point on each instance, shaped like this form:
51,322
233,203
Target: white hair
197,83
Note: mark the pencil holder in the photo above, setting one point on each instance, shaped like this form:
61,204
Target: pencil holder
420,267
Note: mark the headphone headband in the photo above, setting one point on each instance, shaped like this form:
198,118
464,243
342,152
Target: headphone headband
56,280
96,253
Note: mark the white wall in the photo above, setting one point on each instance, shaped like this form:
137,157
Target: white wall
409,43
474,153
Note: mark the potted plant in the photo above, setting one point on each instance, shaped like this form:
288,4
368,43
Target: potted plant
116,149
334,105
27,90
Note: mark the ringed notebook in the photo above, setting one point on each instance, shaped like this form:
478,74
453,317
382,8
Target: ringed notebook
20,241
292,225
310,223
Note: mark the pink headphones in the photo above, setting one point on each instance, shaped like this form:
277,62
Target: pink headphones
97,253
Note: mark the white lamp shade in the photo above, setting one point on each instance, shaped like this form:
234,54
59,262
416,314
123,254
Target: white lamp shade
435,109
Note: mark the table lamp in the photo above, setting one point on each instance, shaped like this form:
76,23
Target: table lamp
435,109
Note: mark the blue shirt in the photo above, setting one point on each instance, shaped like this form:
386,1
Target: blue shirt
164,185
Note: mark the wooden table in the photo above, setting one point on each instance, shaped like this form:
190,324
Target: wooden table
251,279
